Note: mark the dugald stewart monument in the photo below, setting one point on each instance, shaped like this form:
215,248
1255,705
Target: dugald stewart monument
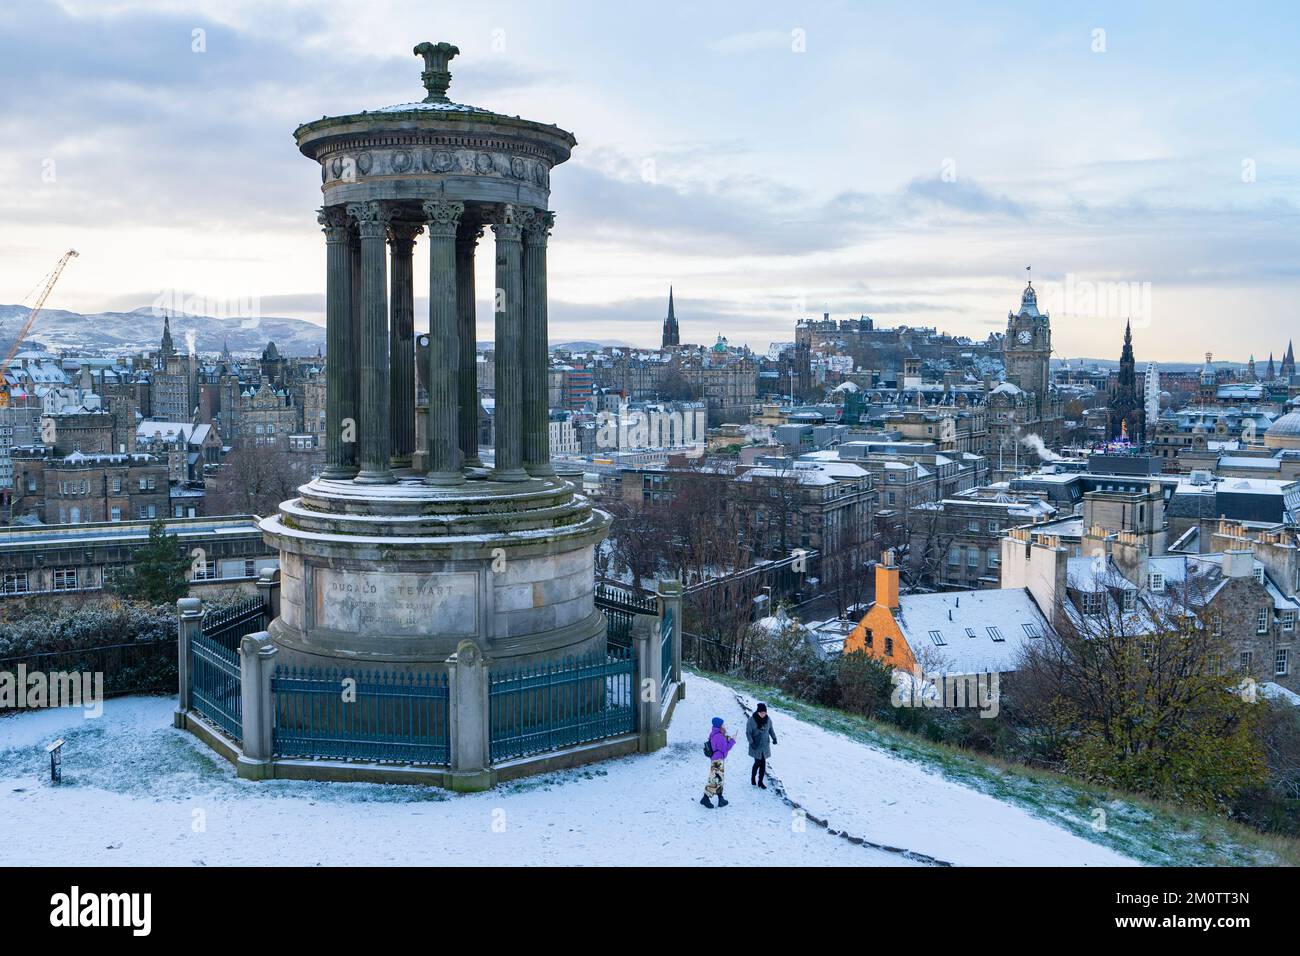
407,544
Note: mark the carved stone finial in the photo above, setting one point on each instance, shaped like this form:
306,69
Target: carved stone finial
436,77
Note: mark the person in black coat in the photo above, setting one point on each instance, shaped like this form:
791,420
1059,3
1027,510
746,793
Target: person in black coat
761,736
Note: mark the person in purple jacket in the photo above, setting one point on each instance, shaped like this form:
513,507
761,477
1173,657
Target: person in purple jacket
720,743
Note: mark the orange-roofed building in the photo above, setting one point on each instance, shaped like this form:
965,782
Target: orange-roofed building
878,633
949,633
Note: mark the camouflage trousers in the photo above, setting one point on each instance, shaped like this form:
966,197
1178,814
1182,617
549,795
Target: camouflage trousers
717,774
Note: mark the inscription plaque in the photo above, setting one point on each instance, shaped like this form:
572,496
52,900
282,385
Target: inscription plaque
397,603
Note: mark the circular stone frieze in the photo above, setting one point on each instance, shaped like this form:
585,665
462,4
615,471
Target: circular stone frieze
336,166
539,174
517,168
483,163
401,161
364,162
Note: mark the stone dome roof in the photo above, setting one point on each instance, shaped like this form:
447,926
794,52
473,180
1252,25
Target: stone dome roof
1284,433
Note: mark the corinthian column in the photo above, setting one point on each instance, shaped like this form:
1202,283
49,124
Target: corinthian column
466,240
341,354
372,222
509,327
537,424
444,350
401,343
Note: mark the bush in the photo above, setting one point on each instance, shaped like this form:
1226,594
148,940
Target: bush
77,635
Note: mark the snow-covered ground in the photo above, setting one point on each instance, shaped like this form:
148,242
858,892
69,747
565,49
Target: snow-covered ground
136,792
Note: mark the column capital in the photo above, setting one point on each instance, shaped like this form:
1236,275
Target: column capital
401,235
509,226
470,232
334,223
537,226
443,216
372,218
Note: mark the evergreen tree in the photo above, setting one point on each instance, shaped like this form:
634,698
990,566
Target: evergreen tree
157,571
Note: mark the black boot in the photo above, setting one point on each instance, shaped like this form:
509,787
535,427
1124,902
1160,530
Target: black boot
721,802
709,803
753,782
761,784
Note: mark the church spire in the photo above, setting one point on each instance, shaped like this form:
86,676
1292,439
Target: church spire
671,334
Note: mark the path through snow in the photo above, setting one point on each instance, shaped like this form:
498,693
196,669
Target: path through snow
135,791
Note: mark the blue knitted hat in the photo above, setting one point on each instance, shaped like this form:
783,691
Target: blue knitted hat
717,721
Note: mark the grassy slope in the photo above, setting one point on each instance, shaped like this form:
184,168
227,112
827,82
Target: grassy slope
1153,833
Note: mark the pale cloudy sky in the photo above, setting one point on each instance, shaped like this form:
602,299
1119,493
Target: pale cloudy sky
770,160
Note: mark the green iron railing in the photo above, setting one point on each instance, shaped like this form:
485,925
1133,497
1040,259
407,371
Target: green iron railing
215,689
666,648
229,625
618,630
337,715
545,707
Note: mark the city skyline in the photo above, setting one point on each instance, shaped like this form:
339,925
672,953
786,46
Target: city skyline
768,168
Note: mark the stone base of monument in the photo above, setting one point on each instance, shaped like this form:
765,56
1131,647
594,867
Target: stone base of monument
394,577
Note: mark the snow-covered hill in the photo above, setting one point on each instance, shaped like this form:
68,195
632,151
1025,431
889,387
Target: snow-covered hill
138,792
142,329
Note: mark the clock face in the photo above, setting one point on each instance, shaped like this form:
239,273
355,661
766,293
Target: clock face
1025,336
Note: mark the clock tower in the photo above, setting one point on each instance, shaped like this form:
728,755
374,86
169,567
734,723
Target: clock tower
1027,349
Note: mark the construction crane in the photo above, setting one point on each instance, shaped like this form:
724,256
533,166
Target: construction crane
27,326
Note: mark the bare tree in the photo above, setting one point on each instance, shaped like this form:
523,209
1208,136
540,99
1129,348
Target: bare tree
256,480
1141,698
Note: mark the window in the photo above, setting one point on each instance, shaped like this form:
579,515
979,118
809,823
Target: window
1156,581
14,583
1261,621
870,638
1031,630
1247,660
1288,620
153,511
1130,600
117,486
889,646
993,525
144,484
250,568
993,558
970,632
996,634
973,526
207,571
1216,626
954,556
1093,602
65,579
937,638
1282,664
972,558
115,513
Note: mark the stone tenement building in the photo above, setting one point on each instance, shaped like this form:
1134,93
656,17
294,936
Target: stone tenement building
267,417
725,380
76,562
80,488
174,389
88,432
